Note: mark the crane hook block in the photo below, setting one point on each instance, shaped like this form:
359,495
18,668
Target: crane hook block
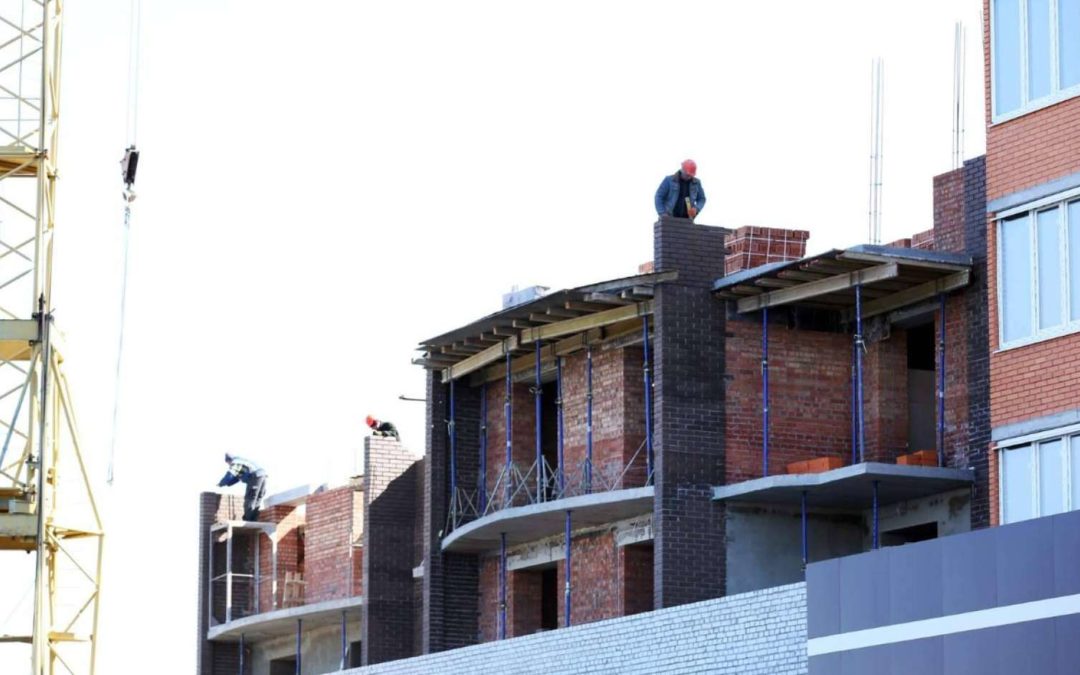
129,164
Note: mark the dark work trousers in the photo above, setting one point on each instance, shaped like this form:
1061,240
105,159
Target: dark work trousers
256,490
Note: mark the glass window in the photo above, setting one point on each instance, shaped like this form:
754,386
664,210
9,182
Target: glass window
1051,477
1016,287
1038,48
1006,56
1073,216
1069,42
1017,484
1074,460
1050,287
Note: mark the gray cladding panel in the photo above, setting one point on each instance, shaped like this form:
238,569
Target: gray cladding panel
823,594
969,572
1025,563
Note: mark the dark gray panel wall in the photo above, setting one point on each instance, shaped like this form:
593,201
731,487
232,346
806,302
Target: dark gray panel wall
997,567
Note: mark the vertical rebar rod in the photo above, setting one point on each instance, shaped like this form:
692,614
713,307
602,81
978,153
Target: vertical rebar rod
482,478
858,373
559,411
941,388
538,404
453,458
805,537
344,643
502,585
508,419
765,391
566,593
854,424
648,399
242,654
875,517
299,650
588,420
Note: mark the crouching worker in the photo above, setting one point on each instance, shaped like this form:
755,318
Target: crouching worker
384,428
250,474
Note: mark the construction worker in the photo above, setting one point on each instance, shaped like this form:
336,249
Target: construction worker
382,428
250,474
680,194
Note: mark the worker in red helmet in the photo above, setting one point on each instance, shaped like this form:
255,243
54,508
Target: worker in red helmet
680,194
382,428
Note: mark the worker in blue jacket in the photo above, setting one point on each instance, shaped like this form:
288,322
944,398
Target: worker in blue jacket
250,474
680,194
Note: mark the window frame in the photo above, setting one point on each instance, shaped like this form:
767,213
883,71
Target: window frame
1069,325
1063,434
1028,105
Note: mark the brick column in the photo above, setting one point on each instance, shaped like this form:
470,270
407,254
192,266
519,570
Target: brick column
211,657
688,395
976,315
390,475
451,580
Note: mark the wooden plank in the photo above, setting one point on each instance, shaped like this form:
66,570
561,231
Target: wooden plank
928,264
520,364
585,306
584,323
913,295
772,282
743,289
606,299
565,313
641,279
812,289
481,359
800,275
543,318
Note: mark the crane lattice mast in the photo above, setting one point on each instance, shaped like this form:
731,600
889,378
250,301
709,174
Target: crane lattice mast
47,505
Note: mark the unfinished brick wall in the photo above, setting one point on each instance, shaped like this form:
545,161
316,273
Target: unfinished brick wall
450,581
618,413
390,476
290,554
885,398
809,398
688,526
211,657
328,549
523,441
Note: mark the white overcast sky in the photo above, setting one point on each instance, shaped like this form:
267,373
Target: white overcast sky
325,184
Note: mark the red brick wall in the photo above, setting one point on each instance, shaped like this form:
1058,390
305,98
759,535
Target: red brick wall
289,553
809,397
885,398
596,591
523,434
489,598
618,417
328,565
523,602
637,578
1021,153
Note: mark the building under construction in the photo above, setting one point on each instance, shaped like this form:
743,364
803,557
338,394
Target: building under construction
765,461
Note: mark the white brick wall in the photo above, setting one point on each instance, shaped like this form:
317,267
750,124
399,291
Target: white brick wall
758,633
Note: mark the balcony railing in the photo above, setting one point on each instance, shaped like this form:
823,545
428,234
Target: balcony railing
519,485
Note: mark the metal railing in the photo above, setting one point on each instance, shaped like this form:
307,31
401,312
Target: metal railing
539,482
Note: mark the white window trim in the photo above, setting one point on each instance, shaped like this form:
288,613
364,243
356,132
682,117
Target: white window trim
1065,435
1056,94
1069,325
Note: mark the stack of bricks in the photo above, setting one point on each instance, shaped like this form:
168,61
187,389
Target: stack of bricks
751,246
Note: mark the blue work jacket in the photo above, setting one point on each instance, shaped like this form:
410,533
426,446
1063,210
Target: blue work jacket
668,192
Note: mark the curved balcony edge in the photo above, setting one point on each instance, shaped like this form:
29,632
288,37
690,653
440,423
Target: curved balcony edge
536,521
280,622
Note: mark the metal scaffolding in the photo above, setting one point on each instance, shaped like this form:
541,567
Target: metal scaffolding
40,459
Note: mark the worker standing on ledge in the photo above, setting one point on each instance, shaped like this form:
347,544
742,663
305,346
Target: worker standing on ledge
251,475
382,428
680,194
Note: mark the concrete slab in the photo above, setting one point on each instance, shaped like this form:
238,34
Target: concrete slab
528,523
280,622
849,486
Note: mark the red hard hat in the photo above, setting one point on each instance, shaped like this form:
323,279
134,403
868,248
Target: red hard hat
689,167
371,421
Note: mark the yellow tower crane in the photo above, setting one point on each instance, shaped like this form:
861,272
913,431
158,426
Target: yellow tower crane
47,505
